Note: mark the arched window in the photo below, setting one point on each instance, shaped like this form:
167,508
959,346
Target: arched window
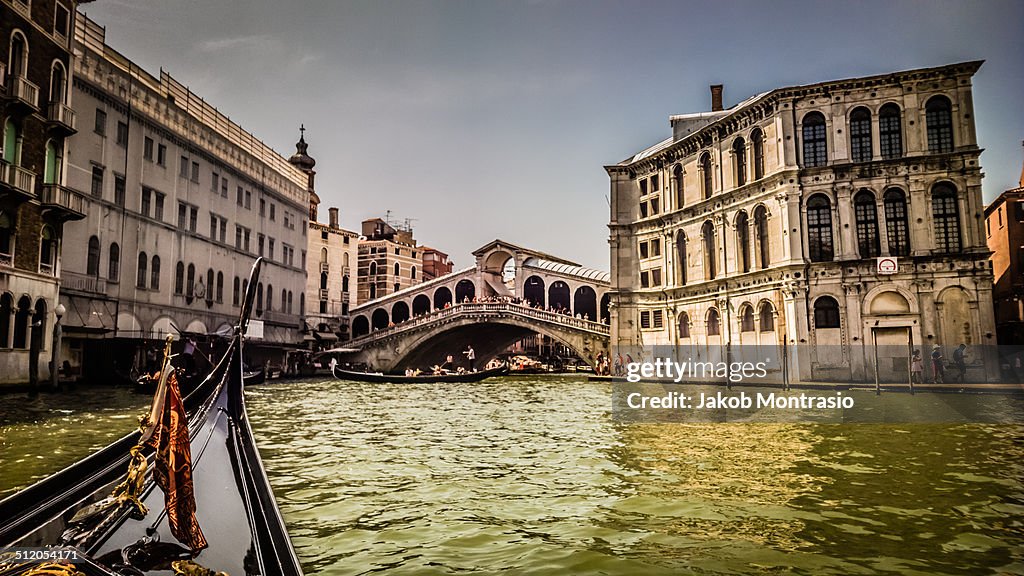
761,236
684,325
154,273
826,312
373,291
373,268
323,280
897,231
92,266
6,239
179,278
680,258
890,132
767,318
743,240
706,175
270,297
114,263
236,291
259,299
48,251
939,118
814,138
866,217
209,285
18,62
747,319
6,311
220,287
190,281
323,255
284,302
22,318
345,260
860,135
739,158
140,276
714,323
819,229
302,303
58,84
344,283
301,307
412,272
398,269
757,143
53,163
708,232
677,179
946,218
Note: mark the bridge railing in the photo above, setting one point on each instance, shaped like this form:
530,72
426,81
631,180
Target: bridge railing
489,307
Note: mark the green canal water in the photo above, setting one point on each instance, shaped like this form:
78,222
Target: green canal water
533,476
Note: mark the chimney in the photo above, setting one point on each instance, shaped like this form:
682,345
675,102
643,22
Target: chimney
334,217
716,97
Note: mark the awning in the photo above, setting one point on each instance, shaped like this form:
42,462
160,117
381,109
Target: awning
88,315
325,336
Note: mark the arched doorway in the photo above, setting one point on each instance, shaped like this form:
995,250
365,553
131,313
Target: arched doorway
558,296
399,312
533,291
585,303
380,319
442,296
360,326
465,291
420,305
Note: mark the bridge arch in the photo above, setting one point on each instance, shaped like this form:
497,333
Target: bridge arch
465,291
360,326
442,296
585,302
420,305
606,308
533,291
558,296
399,312
380,319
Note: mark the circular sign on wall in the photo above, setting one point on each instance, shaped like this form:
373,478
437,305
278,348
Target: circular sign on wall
887,265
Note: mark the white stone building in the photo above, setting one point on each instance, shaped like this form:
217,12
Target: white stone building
331,283
761,227
180,202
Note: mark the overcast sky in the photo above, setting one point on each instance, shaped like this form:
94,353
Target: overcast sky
486,120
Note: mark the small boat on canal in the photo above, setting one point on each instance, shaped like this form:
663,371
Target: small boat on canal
421,378
214,512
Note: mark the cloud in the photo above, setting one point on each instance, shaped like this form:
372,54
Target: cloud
237,42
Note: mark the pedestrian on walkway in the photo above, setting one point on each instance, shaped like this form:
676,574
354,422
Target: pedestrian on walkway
916,367
938,372
960,362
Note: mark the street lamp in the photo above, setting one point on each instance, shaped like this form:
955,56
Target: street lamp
55,354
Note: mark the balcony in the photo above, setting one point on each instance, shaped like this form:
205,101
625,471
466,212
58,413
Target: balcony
24,93
62,202
61,118
16,181
325,267
323,294
82,283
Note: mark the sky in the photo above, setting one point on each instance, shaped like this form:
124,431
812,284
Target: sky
480,119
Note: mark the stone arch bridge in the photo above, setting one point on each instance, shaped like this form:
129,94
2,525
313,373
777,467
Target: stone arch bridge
509,294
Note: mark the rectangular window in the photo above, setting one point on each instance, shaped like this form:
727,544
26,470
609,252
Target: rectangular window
147,148
224,187
122,134
655,206
656,277
263,207
248,200
195,172
223,230
658,319
182,216
644,251
193,218
238,237
239,196
270,248
161,155
119,189
246,241
61,21
645,320
288,223
101,122
645,279
272,216
147,195
183,170
643,209
260,241
97,182
213,227
654,184
656,247
214,182
1018,210
158,211
643,187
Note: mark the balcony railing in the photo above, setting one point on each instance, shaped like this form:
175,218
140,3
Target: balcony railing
83,283
323,294
17,178
25,91
6,260
60,113
3,75
55,195
325,267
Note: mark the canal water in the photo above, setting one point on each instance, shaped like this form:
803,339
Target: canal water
533,476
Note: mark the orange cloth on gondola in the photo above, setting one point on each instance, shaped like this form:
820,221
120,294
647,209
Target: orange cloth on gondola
173,469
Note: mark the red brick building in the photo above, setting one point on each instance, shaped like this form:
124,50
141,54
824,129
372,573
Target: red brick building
1004,231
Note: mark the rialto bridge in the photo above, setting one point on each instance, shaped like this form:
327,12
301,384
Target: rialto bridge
510,293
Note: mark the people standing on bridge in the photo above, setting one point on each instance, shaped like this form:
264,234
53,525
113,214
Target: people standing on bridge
471,356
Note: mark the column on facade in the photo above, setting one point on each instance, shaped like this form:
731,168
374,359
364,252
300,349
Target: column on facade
919,218
792,226
843,216
794,301
856,329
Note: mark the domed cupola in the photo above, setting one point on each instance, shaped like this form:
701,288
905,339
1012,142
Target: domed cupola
301,159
